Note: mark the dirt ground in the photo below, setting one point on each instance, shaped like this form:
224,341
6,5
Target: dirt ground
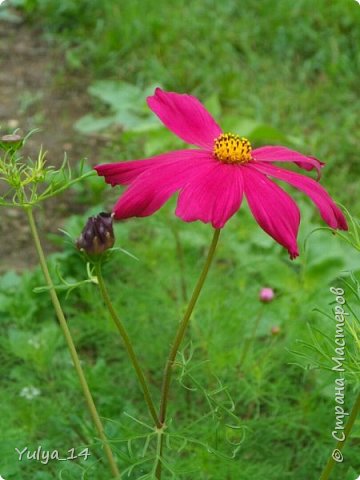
35,92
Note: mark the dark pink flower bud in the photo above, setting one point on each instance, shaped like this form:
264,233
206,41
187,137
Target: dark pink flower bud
266,295
97,235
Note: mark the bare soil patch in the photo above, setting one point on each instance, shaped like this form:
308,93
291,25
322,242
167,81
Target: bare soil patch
37,92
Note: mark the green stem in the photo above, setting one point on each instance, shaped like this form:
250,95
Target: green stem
183,325
339,446
250,341
128,346
70,343
179,338
180,258
159,452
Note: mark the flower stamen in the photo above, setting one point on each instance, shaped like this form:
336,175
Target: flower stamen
230,148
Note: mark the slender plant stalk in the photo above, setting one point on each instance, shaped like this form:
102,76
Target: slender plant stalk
179,338
184,292
70,343
129,348
340,445
159,453
180,257
250,341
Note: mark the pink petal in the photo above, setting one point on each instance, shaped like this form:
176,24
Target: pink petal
329,211
150,190
123,173
283,154
212,196
185,116
274,210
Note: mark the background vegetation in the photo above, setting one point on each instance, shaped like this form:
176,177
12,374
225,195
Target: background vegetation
281,72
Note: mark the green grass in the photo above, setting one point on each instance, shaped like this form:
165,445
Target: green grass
292,65
280,402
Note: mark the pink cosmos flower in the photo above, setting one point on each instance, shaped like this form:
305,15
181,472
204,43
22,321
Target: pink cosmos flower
213,178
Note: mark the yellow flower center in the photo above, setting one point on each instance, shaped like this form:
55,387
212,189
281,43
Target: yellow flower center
230,148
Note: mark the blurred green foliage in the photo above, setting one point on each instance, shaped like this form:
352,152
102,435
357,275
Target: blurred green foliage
281,72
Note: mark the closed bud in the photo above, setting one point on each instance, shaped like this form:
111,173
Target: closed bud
266,295
11,143
275,330
97,235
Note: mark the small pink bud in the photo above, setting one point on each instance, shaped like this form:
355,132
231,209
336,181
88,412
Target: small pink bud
275,330
266,295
